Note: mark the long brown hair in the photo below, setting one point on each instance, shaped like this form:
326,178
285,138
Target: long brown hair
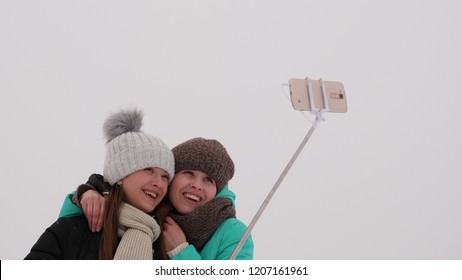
161,212
109,239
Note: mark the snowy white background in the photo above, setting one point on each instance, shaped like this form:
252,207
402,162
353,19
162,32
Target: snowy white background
382,181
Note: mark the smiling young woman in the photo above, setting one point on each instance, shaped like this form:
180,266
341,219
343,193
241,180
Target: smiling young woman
137,170
191,189
203,223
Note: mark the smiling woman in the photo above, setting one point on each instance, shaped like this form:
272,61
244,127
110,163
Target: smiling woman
138,168
145,188
203,223
191,189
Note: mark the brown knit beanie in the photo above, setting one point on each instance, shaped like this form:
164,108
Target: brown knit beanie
206,155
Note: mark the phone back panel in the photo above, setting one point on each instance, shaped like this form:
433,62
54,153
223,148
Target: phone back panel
336,98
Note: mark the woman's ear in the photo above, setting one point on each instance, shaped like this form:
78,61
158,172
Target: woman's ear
120,182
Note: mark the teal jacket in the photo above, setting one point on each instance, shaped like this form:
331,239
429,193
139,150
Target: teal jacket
222,243
219,247
69,209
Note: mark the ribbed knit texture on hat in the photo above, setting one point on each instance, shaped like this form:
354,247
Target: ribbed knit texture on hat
206,155
130,150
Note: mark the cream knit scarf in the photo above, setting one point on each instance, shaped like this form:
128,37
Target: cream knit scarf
138,231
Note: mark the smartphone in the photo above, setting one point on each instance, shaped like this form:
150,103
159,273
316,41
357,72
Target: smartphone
335,94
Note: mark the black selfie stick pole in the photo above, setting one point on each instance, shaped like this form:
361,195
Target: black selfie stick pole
275,187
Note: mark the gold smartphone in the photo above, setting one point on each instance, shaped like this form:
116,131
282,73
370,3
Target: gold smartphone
335,95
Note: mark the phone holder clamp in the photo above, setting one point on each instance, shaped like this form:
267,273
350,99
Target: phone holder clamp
318,112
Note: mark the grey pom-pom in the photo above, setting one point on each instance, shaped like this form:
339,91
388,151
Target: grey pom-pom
127,120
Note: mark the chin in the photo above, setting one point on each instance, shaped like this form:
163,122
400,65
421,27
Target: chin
188,211
148,209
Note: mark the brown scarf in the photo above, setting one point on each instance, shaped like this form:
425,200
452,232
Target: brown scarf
199,225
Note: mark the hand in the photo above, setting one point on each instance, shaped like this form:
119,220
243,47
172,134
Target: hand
93,205
173,234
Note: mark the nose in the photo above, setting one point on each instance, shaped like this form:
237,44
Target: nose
196,184
156,180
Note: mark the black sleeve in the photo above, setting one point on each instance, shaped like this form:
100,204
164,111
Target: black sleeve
50,245
98,183
95,182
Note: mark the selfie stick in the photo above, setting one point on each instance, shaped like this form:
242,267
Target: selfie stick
319,117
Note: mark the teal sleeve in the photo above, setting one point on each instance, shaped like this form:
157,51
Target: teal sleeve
222,244
246,252
69,209
231,236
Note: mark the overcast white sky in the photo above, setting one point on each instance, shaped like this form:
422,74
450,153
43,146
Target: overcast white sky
382,181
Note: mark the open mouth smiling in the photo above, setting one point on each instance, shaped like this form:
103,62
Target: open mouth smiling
192,197
151,194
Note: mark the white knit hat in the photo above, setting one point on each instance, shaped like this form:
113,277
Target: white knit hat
130,150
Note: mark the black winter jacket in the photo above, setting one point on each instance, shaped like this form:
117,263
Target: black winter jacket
69,238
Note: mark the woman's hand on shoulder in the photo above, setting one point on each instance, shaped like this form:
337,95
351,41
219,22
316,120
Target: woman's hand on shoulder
93,205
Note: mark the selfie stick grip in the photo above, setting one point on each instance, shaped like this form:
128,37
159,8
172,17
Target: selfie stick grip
273,190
